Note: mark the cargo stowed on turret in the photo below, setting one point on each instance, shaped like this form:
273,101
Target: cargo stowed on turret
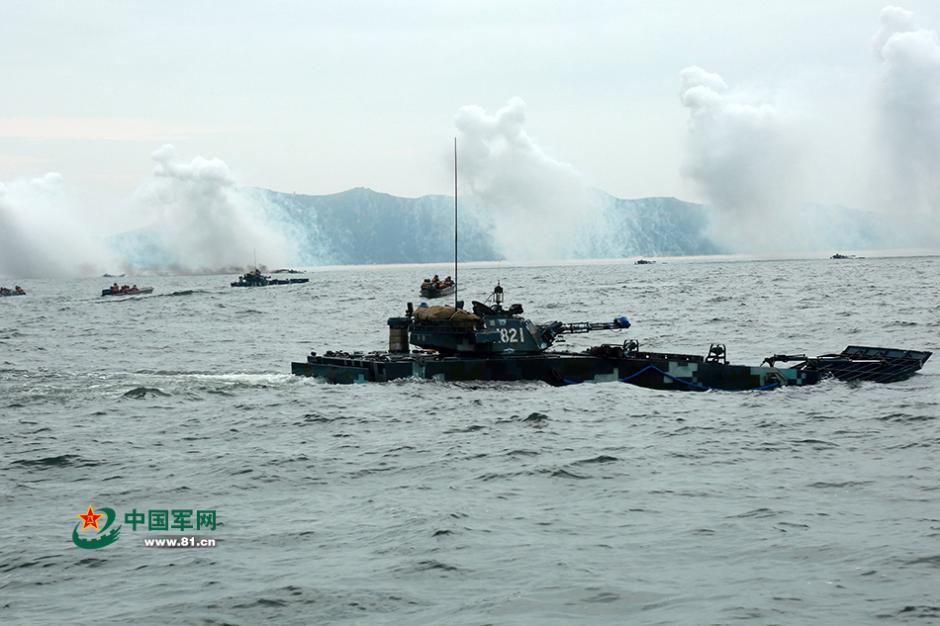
496,343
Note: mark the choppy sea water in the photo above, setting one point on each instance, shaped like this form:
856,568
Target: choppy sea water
425,502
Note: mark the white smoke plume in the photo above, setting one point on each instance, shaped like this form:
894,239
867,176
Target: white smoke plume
41,235
743,153
540,207
203,221
909,99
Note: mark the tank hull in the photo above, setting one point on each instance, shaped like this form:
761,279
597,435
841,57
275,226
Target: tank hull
555,368
268,283
678,372
134,292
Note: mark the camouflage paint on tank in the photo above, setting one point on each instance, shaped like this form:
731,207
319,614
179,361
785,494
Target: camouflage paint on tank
610,363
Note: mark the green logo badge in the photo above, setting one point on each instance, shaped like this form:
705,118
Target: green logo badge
102,537
97,530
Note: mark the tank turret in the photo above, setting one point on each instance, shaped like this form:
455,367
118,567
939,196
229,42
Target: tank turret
490,329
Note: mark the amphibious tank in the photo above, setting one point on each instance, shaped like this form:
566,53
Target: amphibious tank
496,343
126,291
257,279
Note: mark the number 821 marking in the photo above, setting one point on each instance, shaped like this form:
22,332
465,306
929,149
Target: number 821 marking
510,335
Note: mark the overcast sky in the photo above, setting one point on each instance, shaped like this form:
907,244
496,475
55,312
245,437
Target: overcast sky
318,97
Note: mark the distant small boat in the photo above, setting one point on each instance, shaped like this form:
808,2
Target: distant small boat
129,292
838,255
431,291
643,262
112,275
4,292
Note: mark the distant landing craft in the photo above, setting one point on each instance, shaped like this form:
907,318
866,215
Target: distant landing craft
257,279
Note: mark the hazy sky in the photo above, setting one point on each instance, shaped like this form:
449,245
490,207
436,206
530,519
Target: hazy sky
318,97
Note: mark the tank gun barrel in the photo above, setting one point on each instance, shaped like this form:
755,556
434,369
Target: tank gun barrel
619,323
552,330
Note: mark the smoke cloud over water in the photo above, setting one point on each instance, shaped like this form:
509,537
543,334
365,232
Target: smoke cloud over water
540,208
743,155
747,155
194,218
203,221
41,234
909,100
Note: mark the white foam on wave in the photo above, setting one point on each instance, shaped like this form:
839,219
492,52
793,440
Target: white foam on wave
244,378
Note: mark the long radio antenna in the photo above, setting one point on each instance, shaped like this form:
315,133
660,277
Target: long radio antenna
456,286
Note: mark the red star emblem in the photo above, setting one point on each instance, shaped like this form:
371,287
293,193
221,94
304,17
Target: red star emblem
90,518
